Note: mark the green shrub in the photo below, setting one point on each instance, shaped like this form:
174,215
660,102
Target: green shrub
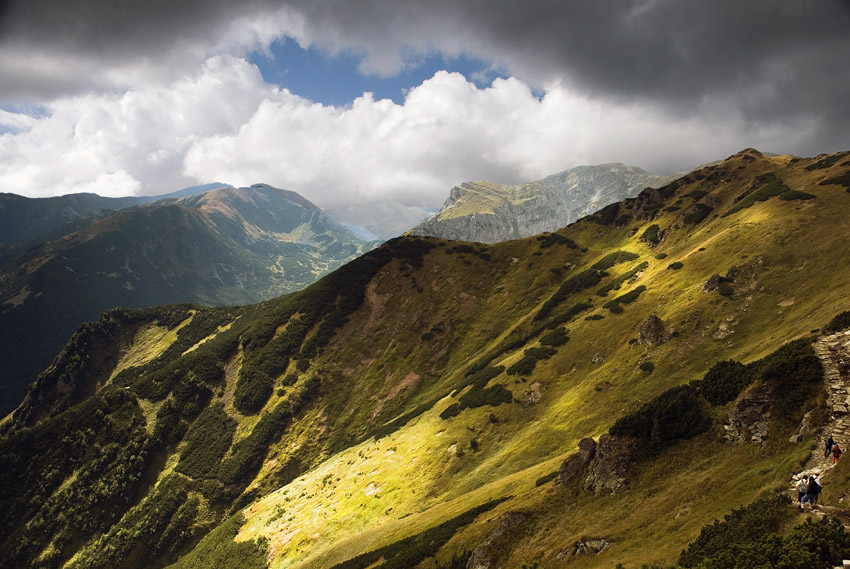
747,538
614,305
452,410
650,234
765,187
612,259
207,441
617,283
253,389
661,256
837,324
677,414
791,372
744,525
827,161
607,215
796,195
548,478
647,366
525,366
842,180
675,266
219,549
723,382
696,195
572,285
555,338
549,239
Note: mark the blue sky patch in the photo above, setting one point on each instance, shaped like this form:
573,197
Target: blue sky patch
335,80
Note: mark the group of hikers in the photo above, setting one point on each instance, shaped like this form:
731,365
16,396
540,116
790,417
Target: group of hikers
831,447
809,487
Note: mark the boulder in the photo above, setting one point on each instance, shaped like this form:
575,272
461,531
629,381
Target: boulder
608,470
575,464
652,331
750,418
484,556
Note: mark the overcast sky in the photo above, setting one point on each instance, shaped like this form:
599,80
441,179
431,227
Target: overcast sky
357,100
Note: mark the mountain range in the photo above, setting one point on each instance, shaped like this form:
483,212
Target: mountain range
594,396
222,246
488,212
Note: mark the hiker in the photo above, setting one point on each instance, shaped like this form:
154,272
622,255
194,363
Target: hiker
836,452
802,488
812,491
828,447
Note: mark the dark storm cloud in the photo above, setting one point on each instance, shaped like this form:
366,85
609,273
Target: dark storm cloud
764,59
670,50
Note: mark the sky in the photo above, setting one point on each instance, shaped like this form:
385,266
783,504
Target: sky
352,101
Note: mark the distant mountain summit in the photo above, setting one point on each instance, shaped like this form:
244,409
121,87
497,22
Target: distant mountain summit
225,246
489,213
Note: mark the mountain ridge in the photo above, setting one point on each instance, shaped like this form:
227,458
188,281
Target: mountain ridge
224,246
488,212
418,404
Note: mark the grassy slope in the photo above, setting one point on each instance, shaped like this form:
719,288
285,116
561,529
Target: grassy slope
780,302
458,307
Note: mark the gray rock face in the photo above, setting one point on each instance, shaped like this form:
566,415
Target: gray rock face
652,331
490,213
575,464
483,556
608,470
750,419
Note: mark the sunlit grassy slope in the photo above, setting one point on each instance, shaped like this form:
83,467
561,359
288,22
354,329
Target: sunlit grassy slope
356,445
791,282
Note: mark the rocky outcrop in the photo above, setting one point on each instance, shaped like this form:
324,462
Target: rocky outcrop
484,556
490,213
750,418
586,546
652,331
533,394
575,464
608,471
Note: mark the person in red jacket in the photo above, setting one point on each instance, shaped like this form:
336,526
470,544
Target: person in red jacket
836,452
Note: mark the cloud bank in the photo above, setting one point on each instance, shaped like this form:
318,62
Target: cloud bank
149,97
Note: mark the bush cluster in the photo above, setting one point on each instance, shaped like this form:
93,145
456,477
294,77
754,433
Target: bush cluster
555,338
842,180
613,259
748,538
617,283
677,414
479,395
525,366
723,382
572,285
651,234
549,239
765,187
827,161
838,323
614,305
789,373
